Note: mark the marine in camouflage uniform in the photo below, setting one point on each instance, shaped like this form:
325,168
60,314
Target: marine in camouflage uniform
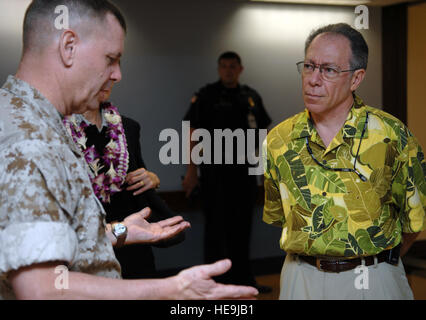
48,210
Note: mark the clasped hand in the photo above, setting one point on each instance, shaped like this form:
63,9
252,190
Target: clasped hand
141,180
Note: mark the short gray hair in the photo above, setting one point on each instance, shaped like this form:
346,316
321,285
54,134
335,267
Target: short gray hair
359,47
40,17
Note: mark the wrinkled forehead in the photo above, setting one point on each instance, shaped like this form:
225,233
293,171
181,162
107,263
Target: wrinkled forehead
228,62
329,48
107,34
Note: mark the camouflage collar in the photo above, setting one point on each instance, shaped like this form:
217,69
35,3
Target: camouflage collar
39,104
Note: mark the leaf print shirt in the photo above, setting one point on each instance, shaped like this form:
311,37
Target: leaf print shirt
332,213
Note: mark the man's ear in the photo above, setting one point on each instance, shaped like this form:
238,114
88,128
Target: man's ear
242,69
357,78
68,47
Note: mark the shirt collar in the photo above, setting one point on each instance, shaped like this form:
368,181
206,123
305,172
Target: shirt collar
352,127
34,98
79,118
356,120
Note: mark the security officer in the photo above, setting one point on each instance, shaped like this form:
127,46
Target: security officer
228,192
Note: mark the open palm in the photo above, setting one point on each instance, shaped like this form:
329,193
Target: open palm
141,231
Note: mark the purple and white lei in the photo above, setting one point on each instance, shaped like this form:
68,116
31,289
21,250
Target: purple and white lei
114,157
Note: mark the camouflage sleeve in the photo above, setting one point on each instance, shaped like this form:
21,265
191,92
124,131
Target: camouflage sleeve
273,210
34,227
409,188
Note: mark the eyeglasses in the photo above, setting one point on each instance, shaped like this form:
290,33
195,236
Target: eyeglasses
328,72
360,175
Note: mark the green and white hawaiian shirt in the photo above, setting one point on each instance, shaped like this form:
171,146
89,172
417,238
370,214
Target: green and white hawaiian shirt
332,213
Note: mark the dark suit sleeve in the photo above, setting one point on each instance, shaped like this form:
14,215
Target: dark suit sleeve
262,118
149,198
194,113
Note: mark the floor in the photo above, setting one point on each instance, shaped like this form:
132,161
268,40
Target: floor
417,281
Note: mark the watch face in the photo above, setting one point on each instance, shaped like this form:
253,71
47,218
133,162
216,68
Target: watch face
120,229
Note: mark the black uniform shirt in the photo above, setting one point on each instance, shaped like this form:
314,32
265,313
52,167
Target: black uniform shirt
218,107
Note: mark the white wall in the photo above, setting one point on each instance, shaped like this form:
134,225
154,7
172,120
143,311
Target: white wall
172,48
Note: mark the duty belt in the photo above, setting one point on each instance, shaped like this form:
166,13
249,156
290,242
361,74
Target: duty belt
335,264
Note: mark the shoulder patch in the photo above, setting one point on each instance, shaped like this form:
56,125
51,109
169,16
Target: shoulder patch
251,102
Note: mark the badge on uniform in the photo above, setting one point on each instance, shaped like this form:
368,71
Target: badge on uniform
251,102
194,99
252,121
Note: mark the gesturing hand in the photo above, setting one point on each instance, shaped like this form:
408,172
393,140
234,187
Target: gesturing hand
196,283
141,231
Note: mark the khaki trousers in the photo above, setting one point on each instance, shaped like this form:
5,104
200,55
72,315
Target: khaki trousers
301,281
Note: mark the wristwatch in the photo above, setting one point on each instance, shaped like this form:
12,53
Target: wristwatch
119,230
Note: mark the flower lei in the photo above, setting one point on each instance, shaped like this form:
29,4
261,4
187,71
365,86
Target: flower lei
115,156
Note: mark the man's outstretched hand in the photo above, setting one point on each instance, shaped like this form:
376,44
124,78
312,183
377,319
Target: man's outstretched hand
139,230
196,283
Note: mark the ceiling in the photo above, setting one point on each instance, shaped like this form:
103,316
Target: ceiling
375,3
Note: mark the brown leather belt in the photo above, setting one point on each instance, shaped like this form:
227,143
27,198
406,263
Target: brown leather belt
340,265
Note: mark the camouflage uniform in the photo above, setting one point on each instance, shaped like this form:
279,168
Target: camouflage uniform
48,210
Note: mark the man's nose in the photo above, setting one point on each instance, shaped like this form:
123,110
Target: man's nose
315,78
116,74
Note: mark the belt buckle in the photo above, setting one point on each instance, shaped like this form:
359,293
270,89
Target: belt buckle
318,264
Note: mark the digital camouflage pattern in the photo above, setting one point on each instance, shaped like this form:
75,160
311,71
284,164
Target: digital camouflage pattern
48,211
328,213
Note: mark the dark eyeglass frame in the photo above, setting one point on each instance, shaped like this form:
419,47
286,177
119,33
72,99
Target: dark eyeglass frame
360,175
321,68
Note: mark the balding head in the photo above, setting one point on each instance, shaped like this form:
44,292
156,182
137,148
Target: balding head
39,24
359,48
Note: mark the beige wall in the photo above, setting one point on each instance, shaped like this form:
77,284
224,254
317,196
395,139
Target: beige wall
416,75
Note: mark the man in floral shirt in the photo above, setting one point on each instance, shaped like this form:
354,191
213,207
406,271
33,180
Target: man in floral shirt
345,181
